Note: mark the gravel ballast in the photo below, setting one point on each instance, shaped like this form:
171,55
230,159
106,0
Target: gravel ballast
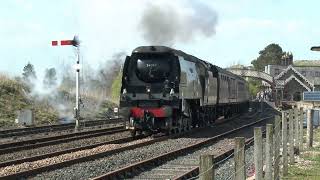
53,133
48,161
185,163
100,166
93,168
62,146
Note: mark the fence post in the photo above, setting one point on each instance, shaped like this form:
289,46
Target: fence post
269,147
258,153
239,161
296,130
301,120
291,139
309,128
284,144
206,169
276,147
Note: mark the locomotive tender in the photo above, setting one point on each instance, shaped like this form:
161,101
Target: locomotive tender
167,90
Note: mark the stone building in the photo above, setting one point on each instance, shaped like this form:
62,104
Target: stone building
291,81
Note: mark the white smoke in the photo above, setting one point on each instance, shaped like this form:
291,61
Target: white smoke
171,23
50,96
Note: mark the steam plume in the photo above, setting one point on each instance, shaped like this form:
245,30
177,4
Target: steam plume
167,24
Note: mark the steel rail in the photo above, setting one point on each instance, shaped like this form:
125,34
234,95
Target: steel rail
221,157
38,170
40,142
133,168
65,151
55,127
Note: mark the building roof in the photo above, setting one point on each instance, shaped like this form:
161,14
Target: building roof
296,72
289,74
309,63
292,77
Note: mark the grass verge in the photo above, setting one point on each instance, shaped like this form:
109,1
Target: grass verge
308,165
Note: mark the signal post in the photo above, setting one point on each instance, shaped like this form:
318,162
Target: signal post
75,43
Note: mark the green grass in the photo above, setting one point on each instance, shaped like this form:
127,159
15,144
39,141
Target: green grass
309,168
116,87
14,96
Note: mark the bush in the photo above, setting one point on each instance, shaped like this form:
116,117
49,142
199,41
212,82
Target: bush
116,87
14,97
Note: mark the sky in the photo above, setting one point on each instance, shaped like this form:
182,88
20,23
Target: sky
107,27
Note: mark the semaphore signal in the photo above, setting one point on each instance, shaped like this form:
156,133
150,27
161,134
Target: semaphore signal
76,43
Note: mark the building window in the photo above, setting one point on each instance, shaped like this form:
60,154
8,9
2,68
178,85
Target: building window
304,73
317,74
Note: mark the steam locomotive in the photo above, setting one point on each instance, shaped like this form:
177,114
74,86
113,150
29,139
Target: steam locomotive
167,90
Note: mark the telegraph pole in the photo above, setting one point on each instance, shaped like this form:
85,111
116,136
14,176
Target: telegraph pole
76,43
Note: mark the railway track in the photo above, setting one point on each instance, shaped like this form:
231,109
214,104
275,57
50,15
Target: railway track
79,159
193,172
188,167
14,157
47,141
110,152
53,128
69,150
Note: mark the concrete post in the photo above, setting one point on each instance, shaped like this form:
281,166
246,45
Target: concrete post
284,144
291,139
296,129
276,147
258,153
269,146
240,170
301,119
206,169
309,128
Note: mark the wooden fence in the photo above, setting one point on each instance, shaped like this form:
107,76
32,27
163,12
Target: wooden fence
272,154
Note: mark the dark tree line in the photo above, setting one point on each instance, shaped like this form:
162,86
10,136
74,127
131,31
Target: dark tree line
29,76
50,78
93,81
271,54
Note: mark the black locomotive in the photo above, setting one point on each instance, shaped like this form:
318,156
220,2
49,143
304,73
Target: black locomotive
167,90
